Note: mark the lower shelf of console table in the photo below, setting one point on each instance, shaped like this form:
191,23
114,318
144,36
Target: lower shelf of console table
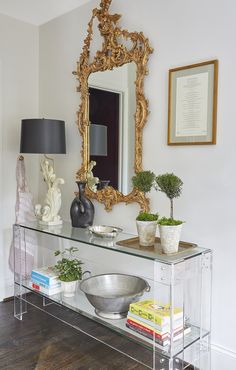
58,306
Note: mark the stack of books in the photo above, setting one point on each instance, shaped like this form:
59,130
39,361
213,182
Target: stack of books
45,280
152,320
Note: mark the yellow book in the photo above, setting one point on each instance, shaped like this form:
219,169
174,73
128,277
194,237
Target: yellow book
155,312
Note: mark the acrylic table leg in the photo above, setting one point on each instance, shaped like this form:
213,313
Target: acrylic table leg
171,364
47,302
20,304
205,358
205,324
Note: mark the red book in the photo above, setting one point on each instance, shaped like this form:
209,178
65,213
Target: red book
148,335
41,289
143,328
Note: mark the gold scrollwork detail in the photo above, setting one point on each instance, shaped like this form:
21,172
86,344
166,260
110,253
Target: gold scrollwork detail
113,54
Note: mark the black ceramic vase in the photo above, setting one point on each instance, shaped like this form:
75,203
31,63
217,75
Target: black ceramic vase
82,209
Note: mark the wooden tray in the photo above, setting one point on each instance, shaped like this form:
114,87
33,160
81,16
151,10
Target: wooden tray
134,243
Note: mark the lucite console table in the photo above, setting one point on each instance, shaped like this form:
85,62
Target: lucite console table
181,280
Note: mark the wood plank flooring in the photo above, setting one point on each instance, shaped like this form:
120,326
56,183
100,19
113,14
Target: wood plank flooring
41,342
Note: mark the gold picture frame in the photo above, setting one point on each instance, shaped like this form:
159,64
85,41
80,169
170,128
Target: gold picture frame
192,107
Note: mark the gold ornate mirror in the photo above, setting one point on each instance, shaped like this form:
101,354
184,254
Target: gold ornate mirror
113,110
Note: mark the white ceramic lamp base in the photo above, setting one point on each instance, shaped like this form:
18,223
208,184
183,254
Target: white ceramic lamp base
48,213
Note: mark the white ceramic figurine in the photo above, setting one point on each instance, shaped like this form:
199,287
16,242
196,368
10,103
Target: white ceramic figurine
92,181
48,213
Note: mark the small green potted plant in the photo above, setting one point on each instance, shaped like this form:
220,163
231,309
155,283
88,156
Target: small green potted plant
69,269
146,222
169,228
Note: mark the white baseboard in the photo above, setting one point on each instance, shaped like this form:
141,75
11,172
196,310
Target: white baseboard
224,351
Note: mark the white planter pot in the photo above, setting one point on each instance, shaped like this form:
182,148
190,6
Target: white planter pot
170,236
146,232
69,288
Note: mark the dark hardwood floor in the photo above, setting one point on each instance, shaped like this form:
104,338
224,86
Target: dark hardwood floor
44,343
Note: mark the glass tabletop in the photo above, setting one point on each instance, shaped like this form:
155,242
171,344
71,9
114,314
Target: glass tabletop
122,242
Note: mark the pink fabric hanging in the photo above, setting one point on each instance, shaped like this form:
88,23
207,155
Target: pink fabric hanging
24,211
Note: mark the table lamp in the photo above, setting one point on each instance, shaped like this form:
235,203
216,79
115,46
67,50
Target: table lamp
46,136
98,140
98,148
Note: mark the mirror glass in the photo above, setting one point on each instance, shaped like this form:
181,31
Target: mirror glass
112,107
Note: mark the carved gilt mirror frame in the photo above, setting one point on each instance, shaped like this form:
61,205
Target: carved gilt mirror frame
112,54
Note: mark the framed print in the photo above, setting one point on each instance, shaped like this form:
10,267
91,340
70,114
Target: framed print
192,111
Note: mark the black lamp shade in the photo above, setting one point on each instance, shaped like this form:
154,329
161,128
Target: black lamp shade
98,140
46,136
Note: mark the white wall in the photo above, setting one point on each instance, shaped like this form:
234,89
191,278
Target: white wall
60,43
18,99
181,32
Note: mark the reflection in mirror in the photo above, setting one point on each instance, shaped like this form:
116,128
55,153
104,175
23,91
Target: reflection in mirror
112,106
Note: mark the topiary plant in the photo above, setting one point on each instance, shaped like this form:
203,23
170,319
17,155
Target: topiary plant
171,185
145,216
169,222
143,181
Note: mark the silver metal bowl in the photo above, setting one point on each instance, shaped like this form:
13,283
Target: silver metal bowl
111,294
105,231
